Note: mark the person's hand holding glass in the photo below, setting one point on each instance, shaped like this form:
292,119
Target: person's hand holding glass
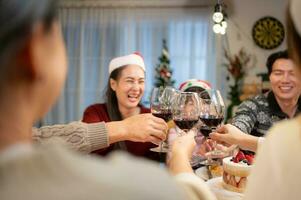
212,110
161,106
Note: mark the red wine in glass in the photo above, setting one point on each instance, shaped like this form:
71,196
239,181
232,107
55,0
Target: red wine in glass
166,115
185,124
212,112
205,130
211,120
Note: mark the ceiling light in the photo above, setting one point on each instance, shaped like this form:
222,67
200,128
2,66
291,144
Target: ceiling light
217,28
218,13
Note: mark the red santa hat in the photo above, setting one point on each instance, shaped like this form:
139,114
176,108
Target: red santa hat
194,83
132,59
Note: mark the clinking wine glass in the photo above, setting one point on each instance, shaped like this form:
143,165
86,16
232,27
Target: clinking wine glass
161,106
212,110
185,111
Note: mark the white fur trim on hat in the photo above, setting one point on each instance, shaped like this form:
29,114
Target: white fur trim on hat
294,9
132,59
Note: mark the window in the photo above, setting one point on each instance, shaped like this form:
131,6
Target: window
94,36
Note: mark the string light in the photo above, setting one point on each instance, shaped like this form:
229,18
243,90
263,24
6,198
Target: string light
217,28
218,15
224,24
220,24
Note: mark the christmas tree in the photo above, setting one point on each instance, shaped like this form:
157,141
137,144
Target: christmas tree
163,73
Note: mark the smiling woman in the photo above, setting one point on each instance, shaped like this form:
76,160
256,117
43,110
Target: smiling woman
124,92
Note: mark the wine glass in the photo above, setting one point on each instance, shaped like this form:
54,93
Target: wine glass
161,105
212,110
185,112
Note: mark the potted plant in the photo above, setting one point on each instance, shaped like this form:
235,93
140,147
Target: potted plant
237,67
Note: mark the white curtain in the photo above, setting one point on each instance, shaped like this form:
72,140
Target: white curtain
93,36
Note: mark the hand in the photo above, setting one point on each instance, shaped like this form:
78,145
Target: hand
207,146
204,146
232,135
181,151
145,128
184,144
228,134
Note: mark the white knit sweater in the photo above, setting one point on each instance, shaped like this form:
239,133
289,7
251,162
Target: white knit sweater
80,136
51,172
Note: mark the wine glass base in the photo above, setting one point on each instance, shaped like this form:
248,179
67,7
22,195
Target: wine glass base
158,149
212,162
216,154
196,160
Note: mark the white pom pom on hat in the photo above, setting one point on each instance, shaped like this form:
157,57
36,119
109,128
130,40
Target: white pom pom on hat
132,59
294,10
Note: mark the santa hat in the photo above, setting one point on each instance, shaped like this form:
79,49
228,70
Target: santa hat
194,83
132,59
295,5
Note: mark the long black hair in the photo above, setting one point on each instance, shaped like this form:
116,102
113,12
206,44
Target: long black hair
17,19
111,98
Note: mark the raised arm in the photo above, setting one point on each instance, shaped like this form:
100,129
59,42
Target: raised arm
179,166
86,138
78,135
232,135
